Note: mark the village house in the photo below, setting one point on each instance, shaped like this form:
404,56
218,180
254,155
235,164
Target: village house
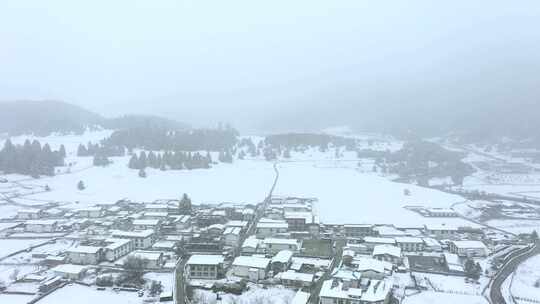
145,224
372,268
299,220
293,279
41,226
440,212
387,253
281,261
182,222
69,271
90,212
117,248
141,239
410,244
29,214
468,248
358,230
154,258
164,246
440,230
431,244
251,267
309,265
85,255
335,292
270,228
275,245
156,208
251,246
371,242
231,236
201,266
151,215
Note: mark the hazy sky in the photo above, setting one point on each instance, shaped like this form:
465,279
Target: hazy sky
251,62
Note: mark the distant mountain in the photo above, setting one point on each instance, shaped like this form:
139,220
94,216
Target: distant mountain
144,121
45,117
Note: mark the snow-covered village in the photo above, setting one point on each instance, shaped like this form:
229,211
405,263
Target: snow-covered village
269,152
271,224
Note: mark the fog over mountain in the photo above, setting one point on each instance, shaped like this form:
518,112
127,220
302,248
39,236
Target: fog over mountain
387,66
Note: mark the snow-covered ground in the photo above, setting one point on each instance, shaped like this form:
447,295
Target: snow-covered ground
516,226
9,246
253,295
90,295
525,278
429,297
348,196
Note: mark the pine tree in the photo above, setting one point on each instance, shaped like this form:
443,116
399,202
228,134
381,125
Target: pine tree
62,151
81,186
82,151
143,162
133,162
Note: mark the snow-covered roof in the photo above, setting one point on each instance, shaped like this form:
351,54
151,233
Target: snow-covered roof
232,230
85,249
69,268
133,234
387,249
241,224
251,242
379,240
146,222
267,225
281,241
164,244
295,276
205,259
377,291
116,243
297,262
441,227
408,239
41,222
469,244
365,264
150,255
251,262
284,256
306,215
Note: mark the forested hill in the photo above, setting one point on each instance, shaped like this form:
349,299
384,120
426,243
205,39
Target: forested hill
45,117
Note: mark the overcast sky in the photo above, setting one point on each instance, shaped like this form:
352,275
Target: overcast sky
255,62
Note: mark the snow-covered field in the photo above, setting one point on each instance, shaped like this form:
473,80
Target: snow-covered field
429,297
516,226
8,246
89,295
349,196
525,279
242,181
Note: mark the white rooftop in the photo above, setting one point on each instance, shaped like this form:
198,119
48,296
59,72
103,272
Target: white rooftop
251,262
205,259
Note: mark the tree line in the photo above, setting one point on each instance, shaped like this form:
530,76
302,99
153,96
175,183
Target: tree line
30,158
163,139
170,160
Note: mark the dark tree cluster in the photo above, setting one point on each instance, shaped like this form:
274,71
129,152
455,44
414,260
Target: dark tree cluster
295,140
30,158
170,160
182,140
251,148
225,156
99,150
421,160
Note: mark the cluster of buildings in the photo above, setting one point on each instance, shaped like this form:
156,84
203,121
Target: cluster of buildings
278,242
